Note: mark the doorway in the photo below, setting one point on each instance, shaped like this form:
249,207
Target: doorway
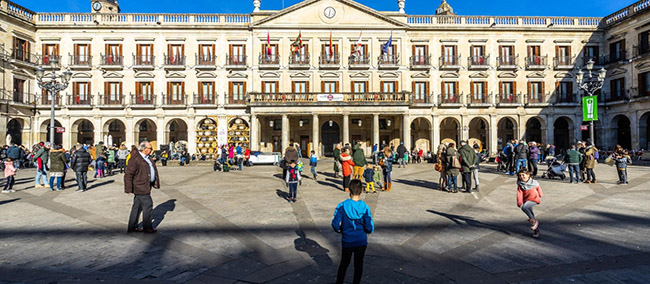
331,135
304,145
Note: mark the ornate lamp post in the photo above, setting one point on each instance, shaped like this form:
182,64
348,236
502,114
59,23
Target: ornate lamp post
52,87
591,82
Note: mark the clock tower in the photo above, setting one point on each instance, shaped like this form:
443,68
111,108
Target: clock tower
105,6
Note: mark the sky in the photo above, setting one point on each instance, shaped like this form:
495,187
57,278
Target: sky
582,8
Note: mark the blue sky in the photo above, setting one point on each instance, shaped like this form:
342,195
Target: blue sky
587,8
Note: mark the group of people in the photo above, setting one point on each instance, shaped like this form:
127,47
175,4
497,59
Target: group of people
451,162
231,155
518,154
352,163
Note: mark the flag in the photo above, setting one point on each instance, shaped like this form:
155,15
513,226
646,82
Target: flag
331,48
297,45
268,44
387,45
357,48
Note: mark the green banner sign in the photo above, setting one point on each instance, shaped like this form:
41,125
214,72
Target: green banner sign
590,108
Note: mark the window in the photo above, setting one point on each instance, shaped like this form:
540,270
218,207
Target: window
478,55
144,54
237,91
535,92
507,55
644,84
21,49
175,92
206,54
113,54
534,50
112,93
644,42
507,92
269,54
359,54
449,55
330,87
81,54
19,89
301,56
591,53
50,52
390,57
449,92
563,55
534,55
564,92
237,54
206,92
359,87
300,87
617,50
617,88
420,55
330,56
388,86
144,93
81,93
269,87
46,99
479,92
176,54
420,91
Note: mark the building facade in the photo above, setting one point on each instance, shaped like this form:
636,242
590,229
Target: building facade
321,72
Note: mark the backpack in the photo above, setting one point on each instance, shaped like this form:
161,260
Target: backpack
596,155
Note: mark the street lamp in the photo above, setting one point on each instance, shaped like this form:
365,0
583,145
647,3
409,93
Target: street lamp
52,87
590,82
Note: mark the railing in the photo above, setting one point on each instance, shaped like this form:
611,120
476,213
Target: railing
81,60
47,59
256,98
143,99
478,98
356,60
565,98
269,59
614,58
19,11
503,21
137,19
20,97
206,60
80,100
174,99
299,59
563,61
627,12
615,97
449,60
641,50
112,100
421,98
420,60
237,60
175,60
507,61
19,55
449,98
205,99
329,60
46,101
112,60
536,61
388,59
479,61
236,100
508,99
144,60
536,98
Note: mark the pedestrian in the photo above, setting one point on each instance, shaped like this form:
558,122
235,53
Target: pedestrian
475,170
79,164
468,162
100,165
15,153
622,159
347,165
57,166
140,176
573,158
368,176
240,156
377,176
401,151
247,156
387,166
337,160
164,156
352,219
110,161
292,180
508,151
66,167
122,153
582,149
529,194
591,159
313,163
521,155
290,154
454,167
10,175
40,159
533,158
231,153
442,166
359,159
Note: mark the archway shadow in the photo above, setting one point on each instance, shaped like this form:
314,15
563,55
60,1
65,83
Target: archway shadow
470,221
315,250
161,210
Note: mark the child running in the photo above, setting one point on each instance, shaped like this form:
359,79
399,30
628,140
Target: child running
10,175
353,220
292,179
529,194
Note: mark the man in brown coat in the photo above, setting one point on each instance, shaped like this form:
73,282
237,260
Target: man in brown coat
140,176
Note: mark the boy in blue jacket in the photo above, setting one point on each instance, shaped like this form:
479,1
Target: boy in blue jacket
353,220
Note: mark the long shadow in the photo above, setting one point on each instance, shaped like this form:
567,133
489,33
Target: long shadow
330,184
95,185
282,194
327,174
459,219
311,247
278,176
419,183
162,209
8,201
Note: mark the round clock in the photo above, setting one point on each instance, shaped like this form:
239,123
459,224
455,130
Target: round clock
97,6
329,12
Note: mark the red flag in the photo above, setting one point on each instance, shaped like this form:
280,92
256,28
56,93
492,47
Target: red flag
268,43
331,47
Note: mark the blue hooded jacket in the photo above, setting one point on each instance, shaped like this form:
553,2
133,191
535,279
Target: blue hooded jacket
354,221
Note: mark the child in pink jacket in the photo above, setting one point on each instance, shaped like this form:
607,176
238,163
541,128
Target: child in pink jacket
10,174
529,194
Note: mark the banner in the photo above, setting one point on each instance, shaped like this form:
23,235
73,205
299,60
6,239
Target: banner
590,108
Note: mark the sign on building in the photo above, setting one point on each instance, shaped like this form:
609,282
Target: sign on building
590,108
60,130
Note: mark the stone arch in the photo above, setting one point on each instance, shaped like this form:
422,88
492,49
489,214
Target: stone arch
207,136
563,133
506,131
15,129
238,130
115,128
176,130
535,127
644,131
83,131
146,129
421,133
45,132
450,129
479,128
621,131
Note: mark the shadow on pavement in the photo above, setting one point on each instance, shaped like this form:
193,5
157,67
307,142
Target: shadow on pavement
459,220
162,209
311,247
282,194
8,201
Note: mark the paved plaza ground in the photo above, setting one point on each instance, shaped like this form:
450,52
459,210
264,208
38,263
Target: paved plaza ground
237,228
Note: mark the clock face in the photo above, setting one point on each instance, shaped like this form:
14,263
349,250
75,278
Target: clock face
330,12
97,6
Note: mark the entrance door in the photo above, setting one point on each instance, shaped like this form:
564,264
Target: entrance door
276,144
19,88
331,135
385,140
304,145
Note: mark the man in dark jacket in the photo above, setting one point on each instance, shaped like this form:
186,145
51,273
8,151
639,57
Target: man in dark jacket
15,154
359,159
468,162
521,155
79,164
401,150
140,176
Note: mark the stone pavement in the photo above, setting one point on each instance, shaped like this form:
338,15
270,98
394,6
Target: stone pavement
237,228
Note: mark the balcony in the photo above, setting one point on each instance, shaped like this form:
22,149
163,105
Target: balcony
111,101
80,101
236,62
508,62
299,61
144,62
329,62
507,100
283,99
422,99
388,61
566,99
598,60
481,62
203,61
45,101
535,99
81,62
450,62
420,62
564,62
50,61
19,98
536,62
205,100
174,62
642,50
143,101
449,100
478,100
269,61
23,59
174,101
112,62
359,62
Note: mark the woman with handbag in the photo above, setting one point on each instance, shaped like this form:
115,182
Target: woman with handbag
441,166
453,159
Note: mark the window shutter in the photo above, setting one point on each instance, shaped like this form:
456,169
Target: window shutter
322,86
529,87
120,45
485,88
442,88
426,88
381,87
471,88
456,88
514,87
501,87
543,88
56,50
413,87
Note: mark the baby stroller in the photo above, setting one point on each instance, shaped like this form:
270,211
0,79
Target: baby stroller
555,169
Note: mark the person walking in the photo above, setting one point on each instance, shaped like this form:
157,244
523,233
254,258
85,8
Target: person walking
57,166
622,159
140,176
509,151
359,159
110,161
163,158
347,165
10,175
240,157
292,180
313,163
454,167
79,164
529,194
521,155
15,153
573,158
591,159
122,153
533,158
290,154
353,220
368,176
468,162
386,163
401,151
40,159
475,170
337,160
442,165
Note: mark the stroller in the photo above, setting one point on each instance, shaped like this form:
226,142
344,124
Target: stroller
555,169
